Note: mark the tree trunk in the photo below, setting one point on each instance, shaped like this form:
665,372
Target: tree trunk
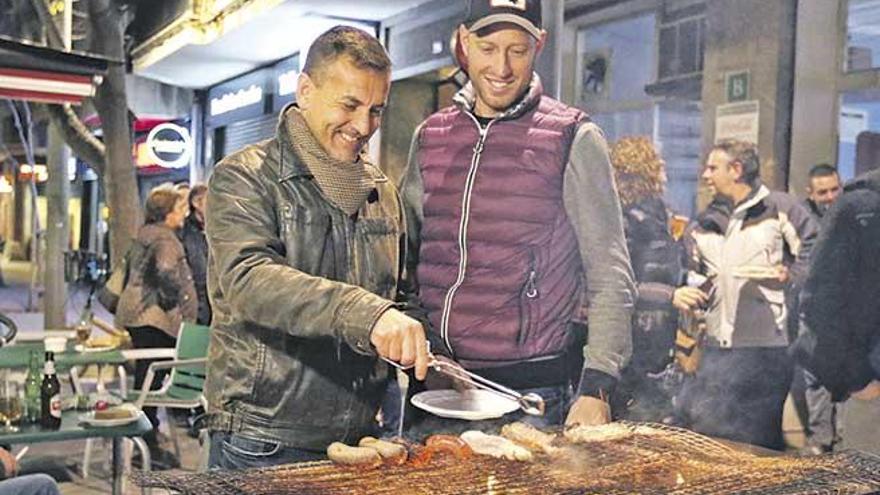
120,182
57,232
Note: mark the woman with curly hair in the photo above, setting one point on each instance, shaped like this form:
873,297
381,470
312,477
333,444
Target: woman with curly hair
658,263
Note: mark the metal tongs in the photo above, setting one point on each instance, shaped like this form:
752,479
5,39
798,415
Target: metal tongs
530,403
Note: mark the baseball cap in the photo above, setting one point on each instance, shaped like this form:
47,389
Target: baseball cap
524,13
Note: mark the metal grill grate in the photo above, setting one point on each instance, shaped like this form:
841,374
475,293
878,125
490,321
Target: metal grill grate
654,459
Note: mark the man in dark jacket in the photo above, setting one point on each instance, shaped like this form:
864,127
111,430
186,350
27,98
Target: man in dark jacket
840,310
305,273
516,222
822,415
192,235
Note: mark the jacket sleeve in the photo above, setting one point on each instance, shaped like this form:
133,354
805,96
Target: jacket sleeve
593,207
412,194
254,277
800,233
173,279
833,352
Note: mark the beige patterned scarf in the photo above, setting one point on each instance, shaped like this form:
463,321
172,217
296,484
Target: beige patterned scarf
346,184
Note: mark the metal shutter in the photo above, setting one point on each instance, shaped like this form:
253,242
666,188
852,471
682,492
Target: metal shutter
240,134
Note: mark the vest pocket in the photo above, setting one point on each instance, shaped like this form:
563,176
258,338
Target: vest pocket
528,306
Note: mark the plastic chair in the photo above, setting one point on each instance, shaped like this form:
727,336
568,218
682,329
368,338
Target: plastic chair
183,388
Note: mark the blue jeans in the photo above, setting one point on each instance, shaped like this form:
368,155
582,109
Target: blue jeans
30,484
235,451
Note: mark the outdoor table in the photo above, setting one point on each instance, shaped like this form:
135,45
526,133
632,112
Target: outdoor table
71,429
18,355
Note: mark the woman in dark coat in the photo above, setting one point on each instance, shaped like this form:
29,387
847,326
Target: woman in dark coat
658,263
159,294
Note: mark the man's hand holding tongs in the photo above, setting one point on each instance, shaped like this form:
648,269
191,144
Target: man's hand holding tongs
401,339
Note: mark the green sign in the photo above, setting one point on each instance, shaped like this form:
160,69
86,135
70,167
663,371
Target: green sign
737,86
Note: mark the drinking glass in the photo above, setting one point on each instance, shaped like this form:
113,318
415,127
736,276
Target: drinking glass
10,405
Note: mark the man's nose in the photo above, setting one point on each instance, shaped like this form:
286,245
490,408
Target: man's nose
501,65
361,123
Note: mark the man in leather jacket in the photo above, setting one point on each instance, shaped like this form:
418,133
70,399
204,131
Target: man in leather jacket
306,271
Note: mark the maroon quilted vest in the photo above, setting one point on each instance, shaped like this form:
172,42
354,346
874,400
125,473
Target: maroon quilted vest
500,272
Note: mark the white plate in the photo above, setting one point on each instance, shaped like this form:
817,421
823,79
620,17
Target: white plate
756,272
89,417
103,348
472,404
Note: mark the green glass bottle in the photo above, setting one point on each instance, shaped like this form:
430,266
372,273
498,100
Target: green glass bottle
32,399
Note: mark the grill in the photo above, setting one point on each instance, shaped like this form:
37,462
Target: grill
654,459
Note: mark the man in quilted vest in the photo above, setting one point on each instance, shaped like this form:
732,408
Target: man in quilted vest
516,223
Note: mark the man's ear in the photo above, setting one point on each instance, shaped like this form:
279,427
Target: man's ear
304,88
737,169
539,45
463,35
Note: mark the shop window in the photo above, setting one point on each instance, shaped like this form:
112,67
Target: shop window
616,60
858,148
862,35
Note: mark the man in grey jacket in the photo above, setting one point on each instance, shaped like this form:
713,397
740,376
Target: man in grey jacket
754,257
516,222
305,275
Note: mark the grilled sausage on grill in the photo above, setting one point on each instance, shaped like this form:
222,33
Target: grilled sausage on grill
353,456
495,446
530,437
392,453
449,443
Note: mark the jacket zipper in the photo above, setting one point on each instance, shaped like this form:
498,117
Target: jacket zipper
528,294
462,230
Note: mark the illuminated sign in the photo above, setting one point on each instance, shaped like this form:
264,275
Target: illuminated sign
169,145
287,82
244,97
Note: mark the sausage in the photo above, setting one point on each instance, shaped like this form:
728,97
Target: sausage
391,453
353,456
451,444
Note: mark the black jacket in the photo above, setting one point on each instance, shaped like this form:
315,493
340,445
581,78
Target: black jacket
192,235
296,286
840,302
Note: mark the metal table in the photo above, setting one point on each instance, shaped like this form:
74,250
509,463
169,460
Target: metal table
71,429
18,356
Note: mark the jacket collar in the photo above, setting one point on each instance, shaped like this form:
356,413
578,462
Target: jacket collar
466,99
758,194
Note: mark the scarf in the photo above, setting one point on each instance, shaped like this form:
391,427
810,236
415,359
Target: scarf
345,184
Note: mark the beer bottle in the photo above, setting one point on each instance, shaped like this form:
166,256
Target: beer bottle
50,395
32,396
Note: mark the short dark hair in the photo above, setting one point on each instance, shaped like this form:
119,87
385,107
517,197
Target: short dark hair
196,191
363,49
822,170
160,202
744,153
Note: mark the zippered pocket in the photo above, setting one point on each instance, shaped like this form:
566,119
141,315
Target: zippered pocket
528,302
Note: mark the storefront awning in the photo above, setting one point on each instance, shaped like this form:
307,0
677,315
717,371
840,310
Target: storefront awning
35,73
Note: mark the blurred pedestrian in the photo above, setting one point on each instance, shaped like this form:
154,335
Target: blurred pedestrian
160,293
192,235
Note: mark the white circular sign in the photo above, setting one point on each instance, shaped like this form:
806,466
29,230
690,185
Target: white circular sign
169,145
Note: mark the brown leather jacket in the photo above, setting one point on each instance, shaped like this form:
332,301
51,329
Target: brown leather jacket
296,285
159,292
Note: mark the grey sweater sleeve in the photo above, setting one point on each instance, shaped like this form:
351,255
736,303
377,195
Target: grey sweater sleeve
593,207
